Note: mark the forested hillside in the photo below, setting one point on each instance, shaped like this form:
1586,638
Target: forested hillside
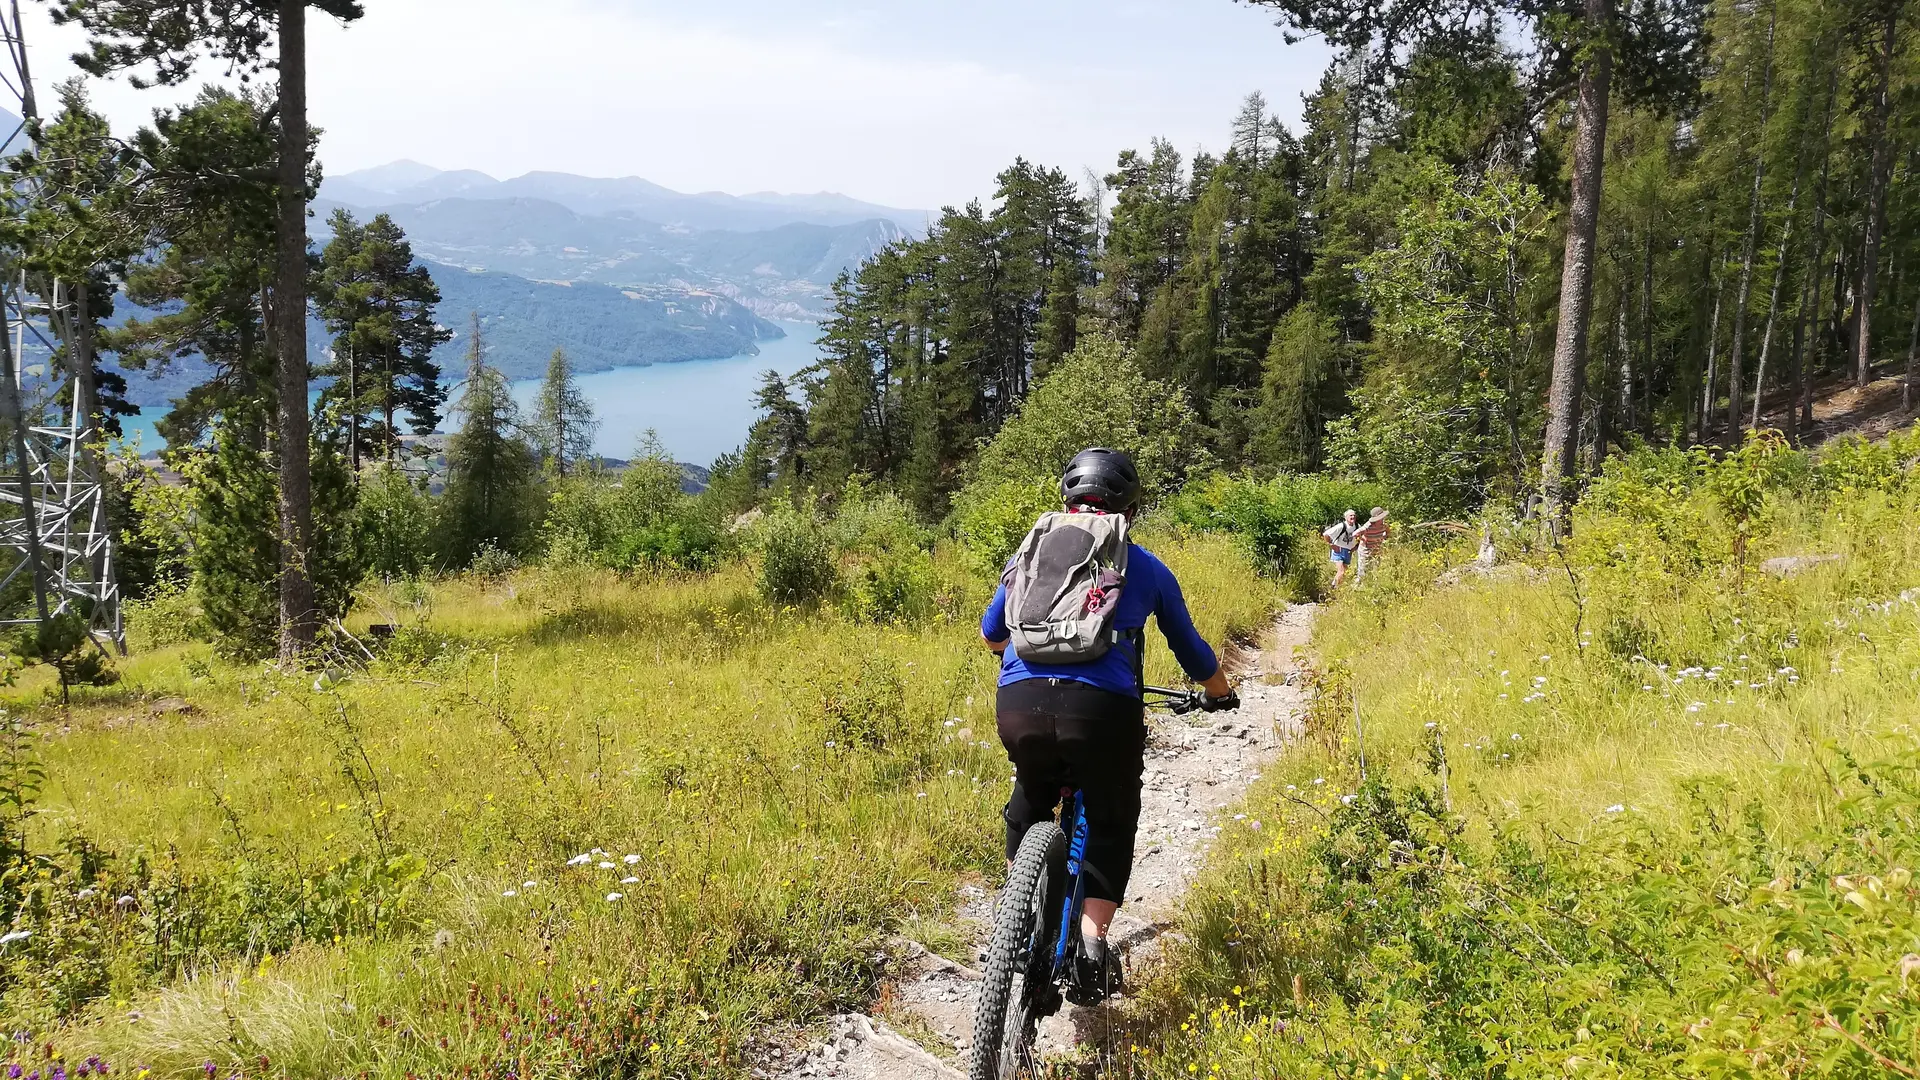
1381,291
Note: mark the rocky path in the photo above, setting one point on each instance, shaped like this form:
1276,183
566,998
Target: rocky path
1198,767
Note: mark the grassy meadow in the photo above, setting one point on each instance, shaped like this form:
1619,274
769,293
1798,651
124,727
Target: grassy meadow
568,823
1636,809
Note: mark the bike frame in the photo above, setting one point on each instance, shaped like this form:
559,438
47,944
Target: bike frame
1069,933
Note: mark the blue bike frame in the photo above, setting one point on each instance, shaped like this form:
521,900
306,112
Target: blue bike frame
1077,890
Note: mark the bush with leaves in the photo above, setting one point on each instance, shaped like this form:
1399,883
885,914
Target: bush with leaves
1097,396
797,565
66,644
1279,520
886,557
637,519
392,523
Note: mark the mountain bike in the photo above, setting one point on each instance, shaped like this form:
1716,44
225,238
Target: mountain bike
1036,931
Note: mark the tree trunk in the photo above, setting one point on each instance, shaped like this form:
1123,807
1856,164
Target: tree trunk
1576,277
1773,304
298,619
1713,355
1913,345
353,410
1736,353
1626,366
1800,410
1647,367
1876,195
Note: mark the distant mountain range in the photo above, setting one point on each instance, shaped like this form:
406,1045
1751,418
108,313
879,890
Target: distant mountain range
782,273
408,183
619,272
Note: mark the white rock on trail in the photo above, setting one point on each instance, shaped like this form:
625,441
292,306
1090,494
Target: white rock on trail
935,994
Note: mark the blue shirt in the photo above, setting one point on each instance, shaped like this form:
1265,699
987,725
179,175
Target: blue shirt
1150,590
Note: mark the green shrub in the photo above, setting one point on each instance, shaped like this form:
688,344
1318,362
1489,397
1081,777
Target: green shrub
392,523
892,586
492,562
169,614
638,519
990,520
796,556
1279,521
688,541
865,711
885,556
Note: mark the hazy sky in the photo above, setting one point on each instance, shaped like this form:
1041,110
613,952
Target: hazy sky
907,102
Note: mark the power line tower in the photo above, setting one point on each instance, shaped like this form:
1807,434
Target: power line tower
55,544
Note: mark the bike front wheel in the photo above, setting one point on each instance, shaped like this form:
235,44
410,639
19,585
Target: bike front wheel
1018,975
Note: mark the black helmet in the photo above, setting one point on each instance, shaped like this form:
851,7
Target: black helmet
1101,478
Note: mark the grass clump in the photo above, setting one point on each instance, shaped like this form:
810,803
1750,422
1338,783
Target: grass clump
1636,809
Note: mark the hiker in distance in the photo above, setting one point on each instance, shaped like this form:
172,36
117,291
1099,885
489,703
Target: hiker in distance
1342,537
1069,621
1372,537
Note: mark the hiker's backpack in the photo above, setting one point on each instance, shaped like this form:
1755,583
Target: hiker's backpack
1063,587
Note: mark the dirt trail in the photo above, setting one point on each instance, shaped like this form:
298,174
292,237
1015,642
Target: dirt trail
1198,768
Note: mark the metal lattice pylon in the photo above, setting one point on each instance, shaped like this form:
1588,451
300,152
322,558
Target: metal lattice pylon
54,532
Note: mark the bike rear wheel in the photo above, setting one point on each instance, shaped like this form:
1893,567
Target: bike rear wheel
1019,959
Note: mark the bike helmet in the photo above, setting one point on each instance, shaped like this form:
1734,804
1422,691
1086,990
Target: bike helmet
1101,478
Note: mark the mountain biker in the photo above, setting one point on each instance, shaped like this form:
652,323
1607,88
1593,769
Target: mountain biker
1084,725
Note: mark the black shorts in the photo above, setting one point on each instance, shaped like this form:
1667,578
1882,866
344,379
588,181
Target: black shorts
1064,734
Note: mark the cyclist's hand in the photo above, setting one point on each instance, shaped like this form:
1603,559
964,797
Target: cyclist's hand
1226,703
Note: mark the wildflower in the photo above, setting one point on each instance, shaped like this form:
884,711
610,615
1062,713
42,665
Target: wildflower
1546,658
15,935
1539,680
631,859
1503,697
1615,808
510,894
1431,725
1347,800
580,860
629,881
124,902
829,744
614,897
528,884
1696,706
1645,686
85,893
605,865
1515,736
1254,825
1318,780
919,794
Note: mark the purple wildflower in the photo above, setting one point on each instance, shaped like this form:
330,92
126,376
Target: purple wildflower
13,1072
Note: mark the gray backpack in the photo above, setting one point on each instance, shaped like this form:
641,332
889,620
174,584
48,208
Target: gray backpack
1063,586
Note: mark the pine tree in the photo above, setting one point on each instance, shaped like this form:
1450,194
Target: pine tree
164,40
379,305
563,423
491,497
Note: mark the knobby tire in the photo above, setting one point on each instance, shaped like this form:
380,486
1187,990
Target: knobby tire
1004,1023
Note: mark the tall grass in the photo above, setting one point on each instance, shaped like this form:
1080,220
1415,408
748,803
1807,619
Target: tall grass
375,864
1638,808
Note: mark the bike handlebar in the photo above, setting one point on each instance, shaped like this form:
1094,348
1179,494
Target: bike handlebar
1178,702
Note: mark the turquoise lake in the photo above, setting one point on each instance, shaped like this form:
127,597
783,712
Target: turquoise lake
700,409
